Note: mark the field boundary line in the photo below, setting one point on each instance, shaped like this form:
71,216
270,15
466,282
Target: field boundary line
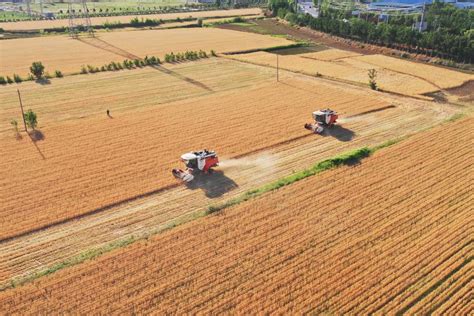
346,159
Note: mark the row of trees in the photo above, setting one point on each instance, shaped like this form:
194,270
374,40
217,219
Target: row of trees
134,22
132,11
448,36
37,71
115,11
188,55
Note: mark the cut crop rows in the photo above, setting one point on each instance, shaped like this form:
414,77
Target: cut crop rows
392,234
82,166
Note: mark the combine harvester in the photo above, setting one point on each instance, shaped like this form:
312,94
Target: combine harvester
196,162
202,162
322,119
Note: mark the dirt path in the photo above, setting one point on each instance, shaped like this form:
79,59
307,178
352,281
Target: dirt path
35,252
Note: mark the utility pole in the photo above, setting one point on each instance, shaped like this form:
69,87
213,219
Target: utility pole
22,112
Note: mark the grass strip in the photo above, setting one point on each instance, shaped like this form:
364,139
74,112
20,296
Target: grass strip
349,158
346,159
455,117
89,254
96,252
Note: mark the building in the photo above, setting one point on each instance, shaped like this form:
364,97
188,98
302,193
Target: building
411,5
307,7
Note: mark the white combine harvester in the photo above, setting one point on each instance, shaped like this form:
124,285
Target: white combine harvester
322,119
196,162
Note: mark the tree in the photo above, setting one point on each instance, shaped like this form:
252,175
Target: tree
372,79
37,69
17,78
31,119
274,5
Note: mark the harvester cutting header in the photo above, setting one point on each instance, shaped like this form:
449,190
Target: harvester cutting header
196,162
322,119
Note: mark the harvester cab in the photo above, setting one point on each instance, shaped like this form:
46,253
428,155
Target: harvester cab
196,162
322,119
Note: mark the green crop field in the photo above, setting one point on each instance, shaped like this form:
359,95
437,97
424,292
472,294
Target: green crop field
18,10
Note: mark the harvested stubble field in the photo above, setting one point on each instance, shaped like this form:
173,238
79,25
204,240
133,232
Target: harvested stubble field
82,96
395,75
68,55
110,160
36,252
395,236
39,25
441,77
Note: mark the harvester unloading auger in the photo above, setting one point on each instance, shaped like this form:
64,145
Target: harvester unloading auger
196,162
322,119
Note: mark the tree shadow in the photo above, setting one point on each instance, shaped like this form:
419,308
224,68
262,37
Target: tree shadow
438,96
43,81
339,132
35,136
213,185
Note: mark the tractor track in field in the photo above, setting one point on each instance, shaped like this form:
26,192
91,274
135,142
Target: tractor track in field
36,251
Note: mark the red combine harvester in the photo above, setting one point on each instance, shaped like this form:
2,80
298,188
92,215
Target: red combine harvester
322,119
196,162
